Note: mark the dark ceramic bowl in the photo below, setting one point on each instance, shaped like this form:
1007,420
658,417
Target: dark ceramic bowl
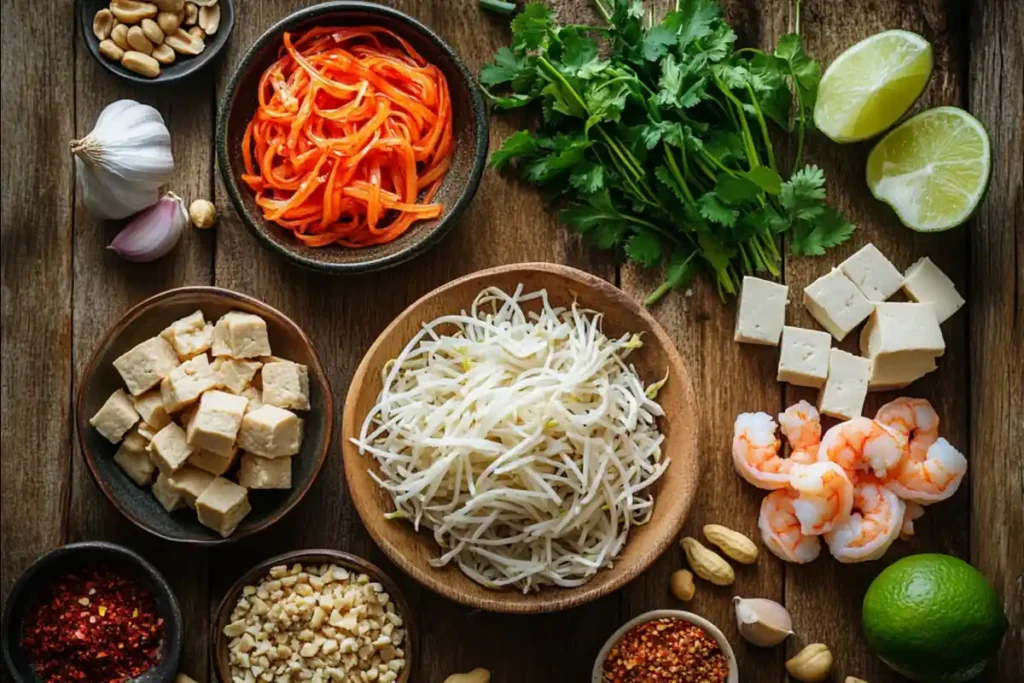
183,65
100,379
456,191
219,642
56,563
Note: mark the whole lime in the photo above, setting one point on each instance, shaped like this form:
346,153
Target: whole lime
933,618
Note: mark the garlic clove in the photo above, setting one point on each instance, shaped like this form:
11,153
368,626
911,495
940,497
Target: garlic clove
763,622
108,196
153,232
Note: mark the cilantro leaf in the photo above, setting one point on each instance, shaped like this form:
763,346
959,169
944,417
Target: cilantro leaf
568,151
505,67
531,26
804,193
644,248
806,72
596,217
519,144
578,51
714,210
657,42
829,229
587,177
766,179
675,88
695,17
734,190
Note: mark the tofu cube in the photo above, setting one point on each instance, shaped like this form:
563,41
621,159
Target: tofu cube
189,482
189,336
899,370
255,398
169,448
145,365
286,385
846,387
235,375
265,473
271,432
187,382
132,457
803,359
241,335
222,506
150,406
146,431
901,330
168,498
115,417
761,313
926,284
836,303
872,273
215,425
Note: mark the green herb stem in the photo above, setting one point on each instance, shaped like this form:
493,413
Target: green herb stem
498,6
674,170
764,127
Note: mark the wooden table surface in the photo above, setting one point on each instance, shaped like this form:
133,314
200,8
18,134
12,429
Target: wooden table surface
61,289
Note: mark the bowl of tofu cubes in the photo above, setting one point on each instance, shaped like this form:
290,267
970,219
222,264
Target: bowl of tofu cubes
204,415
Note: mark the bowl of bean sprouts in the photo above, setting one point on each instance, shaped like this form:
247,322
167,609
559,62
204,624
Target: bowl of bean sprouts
522,439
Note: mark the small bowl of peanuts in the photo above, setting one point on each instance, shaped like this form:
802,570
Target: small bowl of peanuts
325,612
147,41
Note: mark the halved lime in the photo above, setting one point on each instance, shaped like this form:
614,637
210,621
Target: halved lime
932,169
871,85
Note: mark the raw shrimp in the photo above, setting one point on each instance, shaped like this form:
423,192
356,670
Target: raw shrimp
914,512
801,425
826,497
927,481
780,529
861,444
755,452
872,528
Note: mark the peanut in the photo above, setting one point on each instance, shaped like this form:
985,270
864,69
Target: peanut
141,63
474,676
732,543
138,40
119,34
169,5
681,584
132,11
191,14
197,32
209,19
185,43
152,31
110,50
103,24
168,22
164,54
811,664
707,564
854,679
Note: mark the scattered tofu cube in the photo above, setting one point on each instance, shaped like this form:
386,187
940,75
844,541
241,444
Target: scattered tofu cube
135,440
898,371
901,330
241,335
211,462
145,365
761,313
255,398
189,336
265,473
187,382
803,359
189,482
215,424
271,432
846,387
169,448
115,417
168,498
874,275
146,431
135,462
150,406
926,284
836,303
286,385
235,375
222,506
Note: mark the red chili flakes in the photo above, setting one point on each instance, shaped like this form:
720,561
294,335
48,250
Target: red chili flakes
92,625
666,651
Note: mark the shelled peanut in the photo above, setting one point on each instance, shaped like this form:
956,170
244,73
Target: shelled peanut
143,35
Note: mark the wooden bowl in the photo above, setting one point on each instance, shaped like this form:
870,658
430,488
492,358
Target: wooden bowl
146,319
470,131
674,491
219,660
76,555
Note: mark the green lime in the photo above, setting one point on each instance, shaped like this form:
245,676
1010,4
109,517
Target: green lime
933,618
932,169
871,85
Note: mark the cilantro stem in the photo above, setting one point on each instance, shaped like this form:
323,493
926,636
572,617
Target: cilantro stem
796,22
748,138
800,128
764,127
588,27
656,228
604,11
674,169
666,287
498,6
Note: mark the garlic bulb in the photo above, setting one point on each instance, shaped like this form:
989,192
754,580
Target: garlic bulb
154,232
122,163
762,622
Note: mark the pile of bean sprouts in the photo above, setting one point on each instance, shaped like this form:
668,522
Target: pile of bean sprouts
521,438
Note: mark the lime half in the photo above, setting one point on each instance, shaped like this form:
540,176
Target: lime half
932,169
871,85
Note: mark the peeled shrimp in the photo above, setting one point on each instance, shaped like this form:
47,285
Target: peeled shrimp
861,444
780,529
913,513
915,420
933,479
755,452
801,425
826,497
872,528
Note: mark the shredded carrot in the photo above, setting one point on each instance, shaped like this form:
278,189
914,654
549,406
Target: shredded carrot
352,126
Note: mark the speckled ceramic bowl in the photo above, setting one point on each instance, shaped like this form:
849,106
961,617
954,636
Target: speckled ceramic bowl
456,191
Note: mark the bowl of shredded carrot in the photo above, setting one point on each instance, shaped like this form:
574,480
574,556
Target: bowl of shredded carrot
351,137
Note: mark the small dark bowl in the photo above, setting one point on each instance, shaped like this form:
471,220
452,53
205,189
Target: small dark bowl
57,562
219,643
183,65
146,319
456,191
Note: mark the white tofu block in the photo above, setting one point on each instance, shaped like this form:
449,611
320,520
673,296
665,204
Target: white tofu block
189,482
150,406
846,387
211,462
925,283
115,417
145,365
901,330
836,303
222,506
235,375
215,424
803,359
169,448
241,335
255,398
146,431
170,499
874,275
132,457
761,312
896,371
271,432
187,382
265,473
286,385
189,336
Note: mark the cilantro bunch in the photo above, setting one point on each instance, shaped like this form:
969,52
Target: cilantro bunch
658,139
